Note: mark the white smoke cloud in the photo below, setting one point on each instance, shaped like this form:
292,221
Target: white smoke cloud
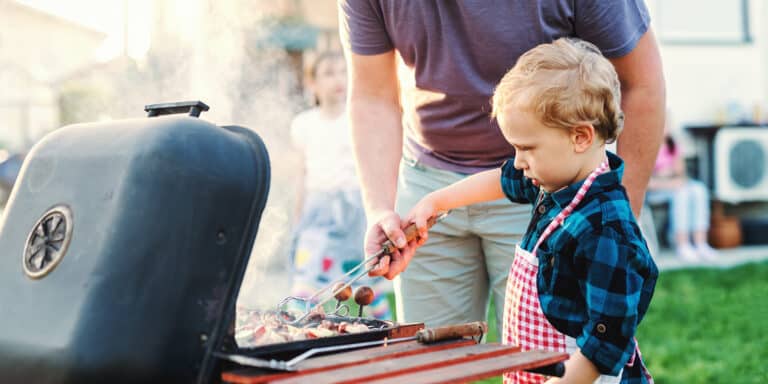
216,52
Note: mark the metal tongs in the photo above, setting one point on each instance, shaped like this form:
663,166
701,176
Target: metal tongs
335,287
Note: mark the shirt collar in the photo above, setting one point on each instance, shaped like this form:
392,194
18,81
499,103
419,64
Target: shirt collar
608,179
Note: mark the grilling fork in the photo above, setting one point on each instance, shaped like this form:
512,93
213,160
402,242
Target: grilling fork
387,248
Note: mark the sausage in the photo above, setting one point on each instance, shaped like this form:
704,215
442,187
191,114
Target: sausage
364,295
344,294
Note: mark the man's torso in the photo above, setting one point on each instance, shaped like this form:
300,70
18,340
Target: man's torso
455,52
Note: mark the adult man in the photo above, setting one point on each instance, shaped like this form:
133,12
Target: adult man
453,53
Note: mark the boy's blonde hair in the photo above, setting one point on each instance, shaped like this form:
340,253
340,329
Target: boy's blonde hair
564,83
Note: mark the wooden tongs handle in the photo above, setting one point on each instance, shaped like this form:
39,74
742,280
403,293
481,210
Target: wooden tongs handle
411,233
449,332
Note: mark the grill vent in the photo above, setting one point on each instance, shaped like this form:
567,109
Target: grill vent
47,242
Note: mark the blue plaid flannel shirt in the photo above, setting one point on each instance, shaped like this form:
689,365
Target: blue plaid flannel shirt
596,275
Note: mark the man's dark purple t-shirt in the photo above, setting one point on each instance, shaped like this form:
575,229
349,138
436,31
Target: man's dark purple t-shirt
457,51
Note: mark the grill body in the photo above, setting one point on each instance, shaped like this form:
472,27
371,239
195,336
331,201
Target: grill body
122,250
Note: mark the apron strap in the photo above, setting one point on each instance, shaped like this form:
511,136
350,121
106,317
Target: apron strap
602,168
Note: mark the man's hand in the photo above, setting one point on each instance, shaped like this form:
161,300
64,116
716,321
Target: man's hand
387,226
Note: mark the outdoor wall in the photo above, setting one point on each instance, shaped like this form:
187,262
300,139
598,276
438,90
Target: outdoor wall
703,80
36,49
46,45
718,83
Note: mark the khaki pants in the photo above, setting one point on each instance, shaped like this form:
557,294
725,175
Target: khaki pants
467,256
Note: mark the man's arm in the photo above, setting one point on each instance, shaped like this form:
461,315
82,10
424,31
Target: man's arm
377,139
377,132
644,103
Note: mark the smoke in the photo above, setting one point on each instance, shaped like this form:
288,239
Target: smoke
217,52
252,84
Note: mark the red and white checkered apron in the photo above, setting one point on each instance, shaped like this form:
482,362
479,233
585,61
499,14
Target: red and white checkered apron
524,322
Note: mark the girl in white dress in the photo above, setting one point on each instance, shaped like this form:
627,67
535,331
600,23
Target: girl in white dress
329,214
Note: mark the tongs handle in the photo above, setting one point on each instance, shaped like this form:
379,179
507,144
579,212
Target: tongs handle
449,332
411,233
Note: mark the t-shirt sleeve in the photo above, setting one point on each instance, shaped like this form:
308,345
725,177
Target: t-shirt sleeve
361,27
516,187
613,26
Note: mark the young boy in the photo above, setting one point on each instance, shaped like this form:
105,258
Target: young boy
582,277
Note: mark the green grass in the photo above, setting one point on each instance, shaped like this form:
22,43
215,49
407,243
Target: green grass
703,326
708,326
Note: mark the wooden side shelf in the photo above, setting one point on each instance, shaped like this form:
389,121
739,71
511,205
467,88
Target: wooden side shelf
447,362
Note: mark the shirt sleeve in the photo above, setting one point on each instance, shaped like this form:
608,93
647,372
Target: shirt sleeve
612,281
362,28
613,26
516,187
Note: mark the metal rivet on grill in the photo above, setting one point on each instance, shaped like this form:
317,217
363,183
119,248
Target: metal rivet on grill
601,328
221,238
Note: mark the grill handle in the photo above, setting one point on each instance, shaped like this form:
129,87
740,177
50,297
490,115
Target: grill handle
448,332
194,108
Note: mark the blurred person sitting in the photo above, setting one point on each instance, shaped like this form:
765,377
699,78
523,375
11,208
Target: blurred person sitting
688,199
329,217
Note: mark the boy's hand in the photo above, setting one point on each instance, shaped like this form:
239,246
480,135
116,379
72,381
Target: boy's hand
578,369
419,214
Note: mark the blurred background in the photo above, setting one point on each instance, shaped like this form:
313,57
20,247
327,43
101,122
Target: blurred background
65,62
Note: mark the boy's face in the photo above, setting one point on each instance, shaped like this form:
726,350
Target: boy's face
546,155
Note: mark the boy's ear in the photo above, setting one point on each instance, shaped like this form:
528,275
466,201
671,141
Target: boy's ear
582,137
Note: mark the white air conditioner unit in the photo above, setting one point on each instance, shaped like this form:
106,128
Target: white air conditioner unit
741,164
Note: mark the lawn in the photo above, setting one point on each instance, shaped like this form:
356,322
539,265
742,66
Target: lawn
706,326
